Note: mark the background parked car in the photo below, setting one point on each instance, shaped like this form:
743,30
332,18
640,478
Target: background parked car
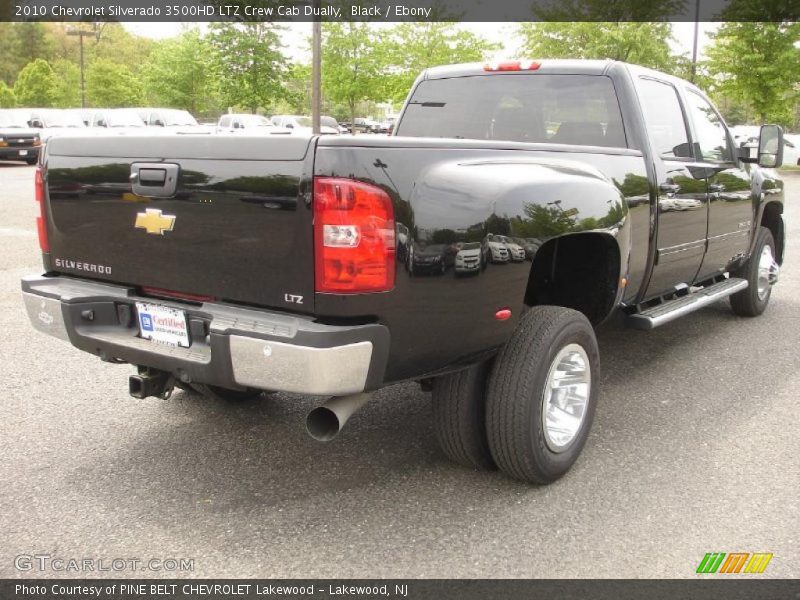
498,251
175,120
331,122
791,149
469,258
248,125
434,259
515,250
52,122
122,120
300,124
363,125
17,140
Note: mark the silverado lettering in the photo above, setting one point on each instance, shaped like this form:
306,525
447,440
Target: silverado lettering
515,207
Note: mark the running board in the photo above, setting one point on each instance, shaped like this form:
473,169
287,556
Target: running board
665,312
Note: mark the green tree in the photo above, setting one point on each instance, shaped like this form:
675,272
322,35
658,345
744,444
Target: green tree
36,85
249,63
410,48
7,98
351,69
759,65
180,74
22,43
114,43
645,44
607,10
68,84
112,85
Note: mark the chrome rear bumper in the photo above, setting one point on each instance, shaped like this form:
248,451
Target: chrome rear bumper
231,346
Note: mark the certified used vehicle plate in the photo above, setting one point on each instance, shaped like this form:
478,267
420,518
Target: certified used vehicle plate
163,324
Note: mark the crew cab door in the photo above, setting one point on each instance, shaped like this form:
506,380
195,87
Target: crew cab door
682,210
731,208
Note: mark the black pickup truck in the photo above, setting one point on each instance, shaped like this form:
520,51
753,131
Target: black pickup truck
516,207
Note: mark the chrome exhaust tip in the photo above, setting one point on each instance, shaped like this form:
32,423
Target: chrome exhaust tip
325,422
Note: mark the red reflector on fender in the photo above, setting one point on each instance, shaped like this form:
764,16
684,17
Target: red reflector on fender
354,238
504,314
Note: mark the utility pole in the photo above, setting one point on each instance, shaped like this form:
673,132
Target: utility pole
81,33
696,35
316,73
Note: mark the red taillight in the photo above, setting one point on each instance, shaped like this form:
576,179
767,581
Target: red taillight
41,226
512,65
354,242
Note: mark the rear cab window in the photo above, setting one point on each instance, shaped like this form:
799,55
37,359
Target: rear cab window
555,109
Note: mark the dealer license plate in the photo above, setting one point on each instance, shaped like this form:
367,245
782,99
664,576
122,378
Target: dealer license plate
23,153
163,324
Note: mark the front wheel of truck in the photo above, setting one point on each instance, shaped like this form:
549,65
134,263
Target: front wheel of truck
761,272
542,394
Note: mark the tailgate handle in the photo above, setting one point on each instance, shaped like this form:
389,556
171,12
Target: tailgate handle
158,180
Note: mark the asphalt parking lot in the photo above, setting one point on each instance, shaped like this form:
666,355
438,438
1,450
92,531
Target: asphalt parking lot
694,449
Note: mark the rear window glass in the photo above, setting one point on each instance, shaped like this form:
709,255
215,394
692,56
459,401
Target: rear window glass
558,109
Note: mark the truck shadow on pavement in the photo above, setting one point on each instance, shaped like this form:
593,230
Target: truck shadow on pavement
210,458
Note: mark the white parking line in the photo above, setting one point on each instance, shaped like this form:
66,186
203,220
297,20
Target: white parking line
16,231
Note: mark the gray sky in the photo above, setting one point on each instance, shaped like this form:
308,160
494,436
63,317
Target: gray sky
502,33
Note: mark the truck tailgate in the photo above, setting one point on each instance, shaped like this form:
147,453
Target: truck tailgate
236,228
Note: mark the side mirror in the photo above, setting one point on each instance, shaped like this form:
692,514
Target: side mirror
770,147
159,123
289,126
36,124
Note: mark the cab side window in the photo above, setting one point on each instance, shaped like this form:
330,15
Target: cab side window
664,119
712,136
225,122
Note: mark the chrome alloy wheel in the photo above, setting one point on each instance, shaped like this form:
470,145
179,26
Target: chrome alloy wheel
565,397
768,271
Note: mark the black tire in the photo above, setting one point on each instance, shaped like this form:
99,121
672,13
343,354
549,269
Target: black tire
225,394
31,161
459,417
747,303
514,400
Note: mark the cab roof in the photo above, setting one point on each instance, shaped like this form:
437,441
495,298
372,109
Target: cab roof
554,65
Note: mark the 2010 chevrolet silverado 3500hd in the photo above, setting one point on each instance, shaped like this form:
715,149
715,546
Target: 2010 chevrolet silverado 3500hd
327,265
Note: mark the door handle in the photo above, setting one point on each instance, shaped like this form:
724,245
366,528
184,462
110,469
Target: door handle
716,187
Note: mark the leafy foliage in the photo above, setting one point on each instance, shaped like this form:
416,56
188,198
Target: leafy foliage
409,48
249,63
645,44
181,74
68,84
36,85
351,68
759,65
7,97
112,85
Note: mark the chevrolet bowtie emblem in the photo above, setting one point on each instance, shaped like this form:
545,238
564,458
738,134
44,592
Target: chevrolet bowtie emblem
152,220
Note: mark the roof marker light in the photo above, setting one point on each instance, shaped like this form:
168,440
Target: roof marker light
512,65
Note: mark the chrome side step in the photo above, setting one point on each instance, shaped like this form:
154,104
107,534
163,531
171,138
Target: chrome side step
665,312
